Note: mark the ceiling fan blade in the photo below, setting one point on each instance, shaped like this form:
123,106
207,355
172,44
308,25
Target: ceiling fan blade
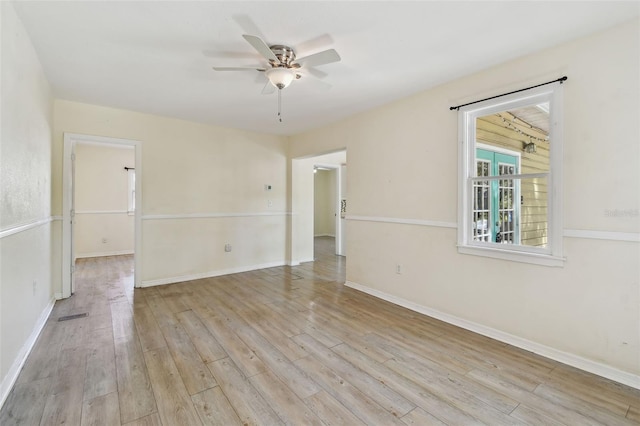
268,88
320,58
239,69
316,73
260,46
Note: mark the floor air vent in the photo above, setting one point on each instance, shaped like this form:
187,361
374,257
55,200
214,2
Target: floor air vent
71,317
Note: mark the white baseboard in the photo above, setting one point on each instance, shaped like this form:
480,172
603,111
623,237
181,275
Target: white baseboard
179,279
573,360
12,375
102,254
324,235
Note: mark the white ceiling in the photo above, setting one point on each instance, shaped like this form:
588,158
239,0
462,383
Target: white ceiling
157,57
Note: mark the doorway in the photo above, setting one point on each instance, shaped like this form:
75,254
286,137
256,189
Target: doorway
102,241
302,230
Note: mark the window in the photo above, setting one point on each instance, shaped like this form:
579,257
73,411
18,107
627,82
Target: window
131,192
510,169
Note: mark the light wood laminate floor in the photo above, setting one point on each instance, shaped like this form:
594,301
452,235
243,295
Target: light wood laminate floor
285,345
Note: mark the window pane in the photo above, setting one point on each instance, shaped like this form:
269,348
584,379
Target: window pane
510,143
524,130
534,215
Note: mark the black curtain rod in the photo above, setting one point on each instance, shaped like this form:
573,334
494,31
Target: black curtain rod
129,168
560,80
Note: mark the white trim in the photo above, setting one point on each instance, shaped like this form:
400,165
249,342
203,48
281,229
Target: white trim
102,212
567,233
602,235
70,141
573,360
496,252
401,221
24,227
12,375
210,215
236,270
102,254
324,235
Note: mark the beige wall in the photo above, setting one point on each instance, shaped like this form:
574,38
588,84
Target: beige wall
26,294
103,225
324,204
403,164
202,187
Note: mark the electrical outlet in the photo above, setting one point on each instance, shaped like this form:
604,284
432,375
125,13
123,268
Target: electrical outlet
35,285
104,241
227,248
398,269
269,203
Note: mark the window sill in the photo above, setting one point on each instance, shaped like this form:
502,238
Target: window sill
513,256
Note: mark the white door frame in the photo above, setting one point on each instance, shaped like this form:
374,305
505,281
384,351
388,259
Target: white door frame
70,141
337,169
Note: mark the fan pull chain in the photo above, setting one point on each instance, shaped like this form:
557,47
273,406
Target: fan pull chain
280,105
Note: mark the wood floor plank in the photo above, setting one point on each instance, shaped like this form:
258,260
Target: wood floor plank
44,358
572,402
161,311
286,403
348,395
101,411
379,392
448,382
556,412
246,360
529,416
275,361
100,376
147,327
409,388
596,384
602,400
174,402
245,399
122,320
206,345
25,403
286,345
330,411
419,417
64,403
134,388
458,392
195,374
214,408
150,420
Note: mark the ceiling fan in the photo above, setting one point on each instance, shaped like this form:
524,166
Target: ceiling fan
283,66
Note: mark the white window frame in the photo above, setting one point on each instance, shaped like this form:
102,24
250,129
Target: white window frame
550,255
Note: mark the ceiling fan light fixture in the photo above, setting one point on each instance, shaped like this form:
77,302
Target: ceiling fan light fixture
281,77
